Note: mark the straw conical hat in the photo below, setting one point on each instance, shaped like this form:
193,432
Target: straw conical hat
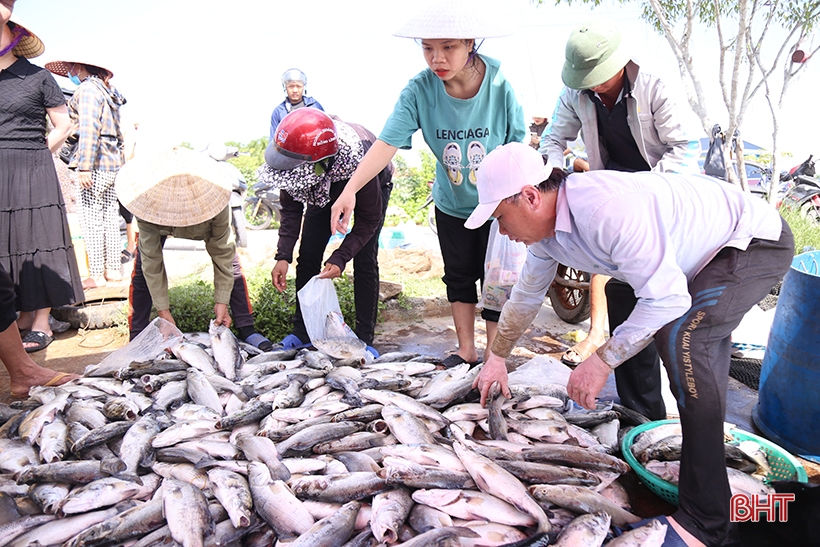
29,46
179,187
61,67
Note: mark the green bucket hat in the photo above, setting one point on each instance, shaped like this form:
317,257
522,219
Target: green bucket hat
594,54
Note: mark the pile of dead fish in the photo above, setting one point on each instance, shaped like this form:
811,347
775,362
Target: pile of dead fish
207,445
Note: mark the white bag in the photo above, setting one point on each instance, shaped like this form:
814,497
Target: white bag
502,266
324,322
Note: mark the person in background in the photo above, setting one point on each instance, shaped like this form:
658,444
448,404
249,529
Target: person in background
95,115
628,122
310,160
184,194
540,121
294,82
35,243
699,255
131,138
464,107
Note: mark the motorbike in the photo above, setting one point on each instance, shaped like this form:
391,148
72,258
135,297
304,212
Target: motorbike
431,212
262,206
221,153
804,192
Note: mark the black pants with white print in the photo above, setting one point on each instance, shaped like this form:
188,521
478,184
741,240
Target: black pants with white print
696,351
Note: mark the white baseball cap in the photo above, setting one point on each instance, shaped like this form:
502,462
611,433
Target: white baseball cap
504,173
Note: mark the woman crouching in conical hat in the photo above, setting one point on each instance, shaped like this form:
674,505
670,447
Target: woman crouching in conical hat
465,108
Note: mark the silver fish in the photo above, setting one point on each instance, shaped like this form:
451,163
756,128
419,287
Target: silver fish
276,504
226,350
186,511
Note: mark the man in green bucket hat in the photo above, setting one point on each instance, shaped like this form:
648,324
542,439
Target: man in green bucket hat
628,122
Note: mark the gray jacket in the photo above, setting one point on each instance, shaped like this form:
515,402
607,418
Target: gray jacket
654,121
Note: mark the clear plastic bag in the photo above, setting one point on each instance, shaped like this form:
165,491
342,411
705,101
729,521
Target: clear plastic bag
324,322
149,344
502,266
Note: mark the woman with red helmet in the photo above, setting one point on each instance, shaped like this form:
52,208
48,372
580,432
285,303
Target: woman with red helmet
465,108
310,160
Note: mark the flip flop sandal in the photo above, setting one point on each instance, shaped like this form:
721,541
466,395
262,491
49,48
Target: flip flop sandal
36,337
582,349
55,381
291,341
259,341
455,360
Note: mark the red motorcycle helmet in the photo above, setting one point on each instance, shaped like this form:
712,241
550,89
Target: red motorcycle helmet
306,135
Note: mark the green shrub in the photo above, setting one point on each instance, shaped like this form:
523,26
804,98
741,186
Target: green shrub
410,189
805,233
192,304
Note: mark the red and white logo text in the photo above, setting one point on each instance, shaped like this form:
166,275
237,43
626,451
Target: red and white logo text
773,507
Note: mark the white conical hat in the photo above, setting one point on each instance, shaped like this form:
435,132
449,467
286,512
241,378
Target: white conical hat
178,187
460,19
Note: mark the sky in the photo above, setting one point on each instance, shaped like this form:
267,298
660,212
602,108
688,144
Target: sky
199,71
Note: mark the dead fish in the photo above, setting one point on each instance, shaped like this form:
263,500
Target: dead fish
472,504
319,433
195,356
652,534
544,473
186,511
120,408
493,479
331,531
72,472
411,474
49,495
99,493
582,500
234,493
226,350
573,456
53,441
277,504
585,531
406,427
339,488
100,435
202,392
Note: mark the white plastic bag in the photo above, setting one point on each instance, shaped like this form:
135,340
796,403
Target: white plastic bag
324,322
149,344
502,266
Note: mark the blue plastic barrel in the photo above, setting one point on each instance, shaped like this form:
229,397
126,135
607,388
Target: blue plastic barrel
788,407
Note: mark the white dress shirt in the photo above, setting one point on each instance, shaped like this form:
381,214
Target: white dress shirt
654,231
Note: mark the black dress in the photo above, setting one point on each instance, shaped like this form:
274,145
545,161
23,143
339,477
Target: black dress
35,244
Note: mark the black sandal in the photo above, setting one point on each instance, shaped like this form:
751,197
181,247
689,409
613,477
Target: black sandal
36,337
127,256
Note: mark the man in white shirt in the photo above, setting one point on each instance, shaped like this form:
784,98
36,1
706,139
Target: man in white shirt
698,253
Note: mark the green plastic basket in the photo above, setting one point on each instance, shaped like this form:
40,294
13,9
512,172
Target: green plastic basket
784,466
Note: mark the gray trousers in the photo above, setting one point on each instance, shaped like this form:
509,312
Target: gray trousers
696,351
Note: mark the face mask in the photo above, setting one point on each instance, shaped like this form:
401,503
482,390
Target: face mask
75,79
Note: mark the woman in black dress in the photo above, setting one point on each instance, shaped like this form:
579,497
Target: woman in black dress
35,244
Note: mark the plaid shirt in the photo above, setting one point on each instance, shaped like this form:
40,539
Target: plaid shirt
94,110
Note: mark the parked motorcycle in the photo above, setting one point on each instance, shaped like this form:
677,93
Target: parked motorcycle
262,207
222,153
804,192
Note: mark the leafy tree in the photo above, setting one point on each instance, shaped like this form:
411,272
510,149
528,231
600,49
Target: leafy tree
410,188
742,28
251,156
